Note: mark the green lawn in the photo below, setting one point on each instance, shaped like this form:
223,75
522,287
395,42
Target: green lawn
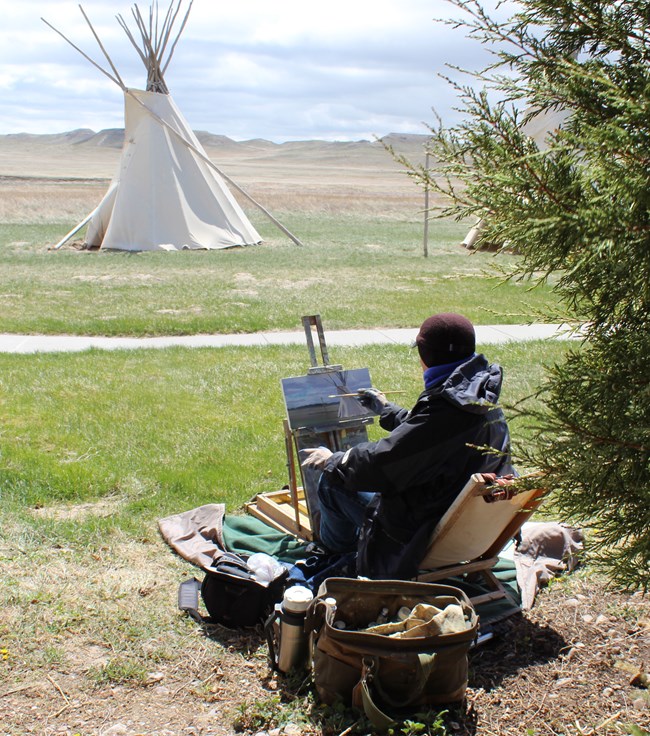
353,271
154,432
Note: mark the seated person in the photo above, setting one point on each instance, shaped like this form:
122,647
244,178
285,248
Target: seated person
384,498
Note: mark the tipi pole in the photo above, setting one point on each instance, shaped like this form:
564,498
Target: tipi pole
129,35
74,231
178,35
101,46
212,165
85,55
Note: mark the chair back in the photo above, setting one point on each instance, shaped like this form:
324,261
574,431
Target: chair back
474,528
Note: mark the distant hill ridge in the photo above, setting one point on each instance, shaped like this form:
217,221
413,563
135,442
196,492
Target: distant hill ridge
114,138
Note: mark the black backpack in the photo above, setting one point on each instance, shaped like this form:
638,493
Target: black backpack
230,594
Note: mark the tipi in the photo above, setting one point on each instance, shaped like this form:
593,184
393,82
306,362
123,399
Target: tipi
167,194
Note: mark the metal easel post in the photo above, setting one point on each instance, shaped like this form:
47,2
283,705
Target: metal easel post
309,322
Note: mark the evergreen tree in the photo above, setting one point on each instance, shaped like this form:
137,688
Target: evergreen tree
578,208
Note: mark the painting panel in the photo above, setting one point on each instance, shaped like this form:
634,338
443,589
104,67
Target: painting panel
318,400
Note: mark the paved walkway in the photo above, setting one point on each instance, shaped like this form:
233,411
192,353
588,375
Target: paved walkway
485,335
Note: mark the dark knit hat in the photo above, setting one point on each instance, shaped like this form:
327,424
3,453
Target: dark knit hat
445,338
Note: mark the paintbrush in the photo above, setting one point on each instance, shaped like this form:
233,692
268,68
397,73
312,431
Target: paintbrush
356,393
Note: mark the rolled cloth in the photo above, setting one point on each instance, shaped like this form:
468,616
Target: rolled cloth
545,549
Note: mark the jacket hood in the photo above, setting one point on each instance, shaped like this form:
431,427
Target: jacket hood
474,386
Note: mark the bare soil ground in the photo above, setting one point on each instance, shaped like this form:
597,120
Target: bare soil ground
91,643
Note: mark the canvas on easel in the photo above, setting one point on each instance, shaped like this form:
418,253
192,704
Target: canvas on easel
322,410
324,400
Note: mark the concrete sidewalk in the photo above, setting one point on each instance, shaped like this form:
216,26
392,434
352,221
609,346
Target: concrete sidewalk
485,335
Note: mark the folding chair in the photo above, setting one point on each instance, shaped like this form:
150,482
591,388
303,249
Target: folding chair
485,516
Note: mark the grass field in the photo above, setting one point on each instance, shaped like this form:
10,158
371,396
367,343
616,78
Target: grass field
154,432
354,270
157,431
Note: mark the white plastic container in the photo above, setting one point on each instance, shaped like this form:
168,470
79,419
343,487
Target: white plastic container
264,567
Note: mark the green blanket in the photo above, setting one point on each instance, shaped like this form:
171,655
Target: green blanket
246,535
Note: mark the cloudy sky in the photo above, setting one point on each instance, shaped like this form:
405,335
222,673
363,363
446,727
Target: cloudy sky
283,70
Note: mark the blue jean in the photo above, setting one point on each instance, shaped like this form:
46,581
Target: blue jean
342,514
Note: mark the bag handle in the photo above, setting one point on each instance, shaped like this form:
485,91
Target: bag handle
373,713
232,559
268,632
369,676
315,617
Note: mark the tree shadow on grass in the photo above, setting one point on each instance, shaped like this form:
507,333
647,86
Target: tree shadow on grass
517,644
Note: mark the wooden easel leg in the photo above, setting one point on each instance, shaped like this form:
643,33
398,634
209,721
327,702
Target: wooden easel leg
291,466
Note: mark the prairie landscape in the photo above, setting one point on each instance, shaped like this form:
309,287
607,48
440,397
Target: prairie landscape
96,447
357,213
61,177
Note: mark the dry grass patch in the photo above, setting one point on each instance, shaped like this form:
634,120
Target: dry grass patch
48,200
93,640
79,512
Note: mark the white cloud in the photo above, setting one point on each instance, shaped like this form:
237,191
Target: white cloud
285,70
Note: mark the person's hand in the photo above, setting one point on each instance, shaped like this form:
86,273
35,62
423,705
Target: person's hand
372,399
316,457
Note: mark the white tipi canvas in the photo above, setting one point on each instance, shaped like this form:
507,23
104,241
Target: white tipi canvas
164,196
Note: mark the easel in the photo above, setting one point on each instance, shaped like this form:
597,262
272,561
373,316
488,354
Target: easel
295,509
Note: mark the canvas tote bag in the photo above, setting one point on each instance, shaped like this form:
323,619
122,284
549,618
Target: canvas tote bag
377,672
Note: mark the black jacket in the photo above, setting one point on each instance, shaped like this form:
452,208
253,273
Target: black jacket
429,455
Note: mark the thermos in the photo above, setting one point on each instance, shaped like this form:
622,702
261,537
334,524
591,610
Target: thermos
285,630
